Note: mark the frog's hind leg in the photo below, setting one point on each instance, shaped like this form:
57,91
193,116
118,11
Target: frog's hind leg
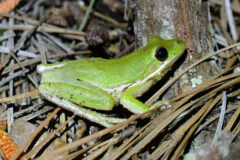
72,98
93,116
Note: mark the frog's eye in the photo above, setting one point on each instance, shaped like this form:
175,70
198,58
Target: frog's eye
161,54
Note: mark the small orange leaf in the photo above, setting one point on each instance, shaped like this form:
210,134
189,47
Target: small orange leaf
7,146
8,5
3,125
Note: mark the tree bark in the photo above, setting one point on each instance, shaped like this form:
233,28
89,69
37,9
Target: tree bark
186,19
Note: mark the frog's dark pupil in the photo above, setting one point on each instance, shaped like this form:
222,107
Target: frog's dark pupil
161,54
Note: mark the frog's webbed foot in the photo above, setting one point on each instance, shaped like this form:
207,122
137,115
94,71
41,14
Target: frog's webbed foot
162,102
102,119
154,114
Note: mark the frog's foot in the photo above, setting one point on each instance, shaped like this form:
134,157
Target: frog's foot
154,114
102,119
164,102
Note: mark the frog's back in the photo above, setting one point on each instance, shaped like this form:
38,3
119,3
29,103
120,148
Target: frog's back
106,73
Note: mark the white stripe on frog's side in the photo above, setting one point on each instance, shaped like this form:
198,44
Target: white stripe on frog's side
43,68
117,91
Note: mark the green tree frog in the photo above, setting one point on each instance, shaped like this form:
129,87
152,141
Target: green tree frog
99,84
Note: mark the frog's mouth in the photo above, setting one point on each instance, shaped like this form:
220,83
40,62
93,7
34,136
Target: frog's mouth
173,60
164,68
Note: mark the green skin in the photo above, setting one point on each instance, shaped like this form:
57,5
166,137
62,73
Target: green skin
99,83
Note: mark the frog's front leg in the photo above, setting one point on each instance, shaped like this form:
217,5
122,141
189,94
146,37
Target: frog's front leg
129,101
72,98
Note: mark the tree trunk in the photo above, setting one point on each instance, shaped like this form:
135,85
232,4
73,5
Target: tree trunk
188,20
